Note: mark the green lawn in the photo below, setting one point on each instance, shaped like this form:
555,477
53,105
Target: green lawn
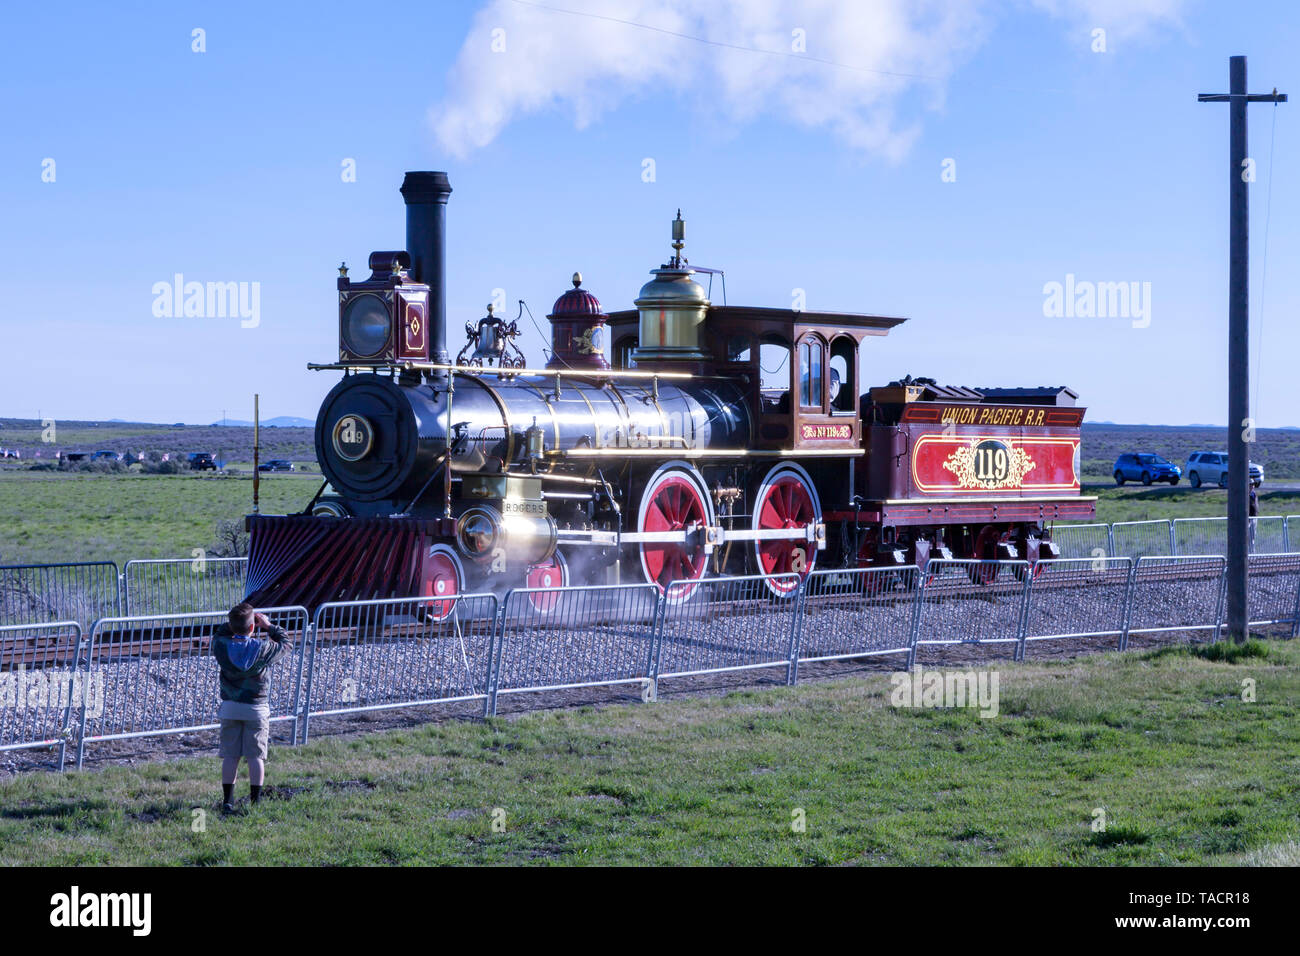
1136,503
53,517
1185,771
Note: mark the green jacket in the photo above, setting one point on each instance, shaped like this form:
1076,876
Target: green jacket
244,677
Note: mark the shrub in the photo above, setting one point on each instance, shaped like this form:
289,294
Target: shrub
231,540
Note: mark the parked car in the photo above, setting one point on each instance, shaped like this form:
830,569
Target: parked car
1211,467
106,456
202,461
1145,468
276,464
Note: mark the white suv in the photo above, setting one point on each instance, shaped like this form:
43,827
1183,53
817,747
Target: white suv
1212,467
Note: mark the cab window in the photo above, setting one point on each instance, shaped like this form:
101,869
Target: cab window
810,373
842,390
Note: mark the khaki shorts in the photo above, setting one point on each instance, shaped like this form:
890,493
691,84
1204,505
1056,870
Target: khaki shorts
244,738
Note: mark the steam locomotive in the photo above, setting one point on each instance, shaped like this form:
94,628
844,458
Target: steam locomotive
652,446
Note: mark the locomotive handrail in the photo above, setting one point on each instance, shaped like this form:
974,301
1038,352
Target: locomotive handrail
650,451
509,372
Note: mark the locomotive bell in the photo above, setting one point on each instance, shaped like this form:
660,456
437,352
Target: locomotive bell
490,345
672,308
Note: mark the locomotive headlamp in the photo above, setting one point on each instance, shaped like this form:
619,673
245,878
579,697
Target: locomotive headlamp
478,533
366,325
386,317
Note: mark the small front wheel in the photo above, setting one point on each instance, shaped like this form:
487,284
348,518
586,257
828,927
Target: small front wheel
1195,479
1119,478
1146,478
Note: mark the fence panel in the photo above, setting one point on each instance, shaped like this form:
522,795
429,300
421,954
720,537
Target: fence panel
1138,539
1273,590
1200,536
1269,536
183,586
40,685
728,624
31,593
1291,533
972,602
1209,536
581,637
401,652
1175,594
1082,540
158,677
1075,597
861,612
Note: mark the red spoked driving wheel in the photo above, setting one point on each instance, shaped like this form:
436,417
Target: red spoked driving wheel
443,577
548,578
986,553
785,500
674,501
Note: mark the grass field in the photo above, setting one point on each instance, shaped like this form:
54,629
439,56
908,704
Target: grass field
1185,770
56,516
48,517
1135,503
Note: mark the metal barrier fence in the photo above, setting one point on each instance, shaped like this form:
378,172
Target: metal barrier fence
150,675
583,637
404,652
184,586
1209,536
1083,540
1138,539
972,602
32,593
40,685
1078,597
1175,594
1273,590
728,624
157,678
87,591
863,612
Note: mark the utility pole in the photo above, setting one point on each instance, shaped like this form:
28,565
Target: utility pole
1240,172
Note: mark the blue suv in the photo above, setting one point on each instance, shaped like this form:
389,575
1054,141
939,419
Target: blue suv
1146,469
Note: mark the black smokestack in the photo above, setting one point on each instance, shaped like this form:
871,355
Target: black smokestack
426,242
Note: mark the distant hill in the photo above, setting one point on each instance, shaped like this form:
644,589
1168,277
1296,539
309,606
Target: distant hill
282,421
234,443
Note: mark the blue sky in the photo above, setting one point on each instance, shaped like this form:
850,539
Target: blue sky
225,165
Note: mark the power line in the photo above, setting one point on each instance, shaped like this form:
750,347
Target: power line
802,57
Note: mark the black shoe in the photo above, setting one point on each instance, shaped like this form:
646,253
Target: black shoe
227,809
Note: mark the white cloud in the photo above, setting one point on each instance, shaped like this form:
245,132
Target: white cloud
1119,18
585,65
